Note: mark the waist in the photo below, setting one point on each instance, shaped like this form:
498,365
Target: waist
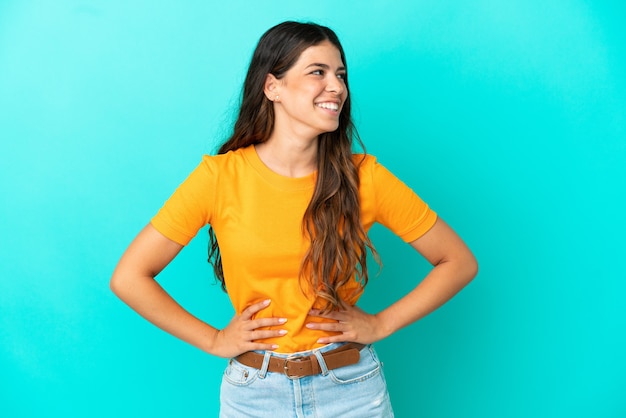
304,363
299,337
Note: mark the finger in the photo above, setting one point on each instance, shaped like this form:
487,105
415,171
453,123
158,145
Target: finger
262,346
260,335
266,322
326,326
334,339
252,309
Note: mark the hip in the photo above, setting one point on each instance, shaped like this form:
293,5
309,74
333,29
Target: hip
355,390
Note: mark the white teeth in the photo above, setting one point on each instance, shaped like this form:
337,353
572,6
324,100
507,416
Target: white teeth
328,105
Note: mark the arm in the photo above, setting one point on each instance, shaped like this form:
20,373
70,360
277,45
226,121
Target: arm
454,266
133,282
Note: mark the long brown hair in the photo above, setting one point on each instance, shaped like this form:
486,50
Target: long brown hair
332,221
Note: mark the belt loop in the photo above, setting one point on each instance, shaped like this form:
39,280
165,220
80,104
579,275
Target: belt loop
265,365
322,363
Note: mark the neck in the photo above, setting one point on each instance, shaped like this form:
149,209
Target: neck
290,157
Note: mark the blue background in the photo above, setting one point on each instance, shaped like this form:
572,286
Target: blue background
508,117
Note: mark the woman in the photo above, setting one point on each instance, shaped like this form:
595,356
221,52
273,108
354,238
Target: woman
289,205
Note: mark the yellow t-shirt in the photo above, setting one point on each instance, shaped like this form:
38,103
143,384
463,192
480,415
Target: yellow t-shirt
257,218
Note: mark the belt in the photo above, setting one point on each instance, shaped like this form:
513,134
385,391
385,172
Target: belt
294,367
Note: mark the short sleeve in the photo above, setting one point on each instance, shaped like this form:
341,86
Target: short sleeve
398,207
189,208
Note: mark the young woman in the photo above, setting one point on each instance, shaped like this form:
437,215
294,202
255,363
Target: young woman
289,206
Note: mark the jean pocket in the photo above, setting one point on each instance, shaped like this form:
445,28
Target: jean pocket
367,367
240,375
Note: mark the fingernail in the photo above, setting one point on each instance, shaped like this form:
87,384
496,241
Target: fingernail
282,331
282,320
274,346
266,301
309,325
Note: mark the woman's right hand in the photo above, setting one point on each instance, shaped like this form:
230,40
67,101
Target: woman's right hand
242,333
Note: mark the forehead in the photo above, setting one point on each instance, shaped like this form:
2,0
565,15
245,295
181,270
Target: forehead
323,53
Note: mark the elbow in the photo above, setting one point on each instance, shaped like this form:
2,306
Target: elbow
118,285
115,285
471,267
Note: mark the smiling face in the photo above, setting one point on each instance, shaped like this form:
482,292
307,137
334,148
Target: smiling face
309,98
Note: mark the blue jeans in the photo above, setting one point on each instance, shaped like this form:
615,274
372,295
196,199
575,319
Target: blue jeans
358,390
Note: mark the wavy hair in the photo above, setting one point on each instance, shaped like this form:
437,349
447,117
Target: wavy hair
332,221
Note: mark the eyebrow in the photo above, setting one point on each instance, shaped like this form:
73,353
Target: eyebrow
324,66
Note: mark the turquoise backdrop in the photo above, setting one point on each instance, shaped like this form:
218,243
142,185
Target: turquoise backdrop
508,117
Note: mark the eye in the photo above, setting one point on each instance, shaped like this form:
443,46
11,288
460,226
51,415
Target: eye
317,72
342,76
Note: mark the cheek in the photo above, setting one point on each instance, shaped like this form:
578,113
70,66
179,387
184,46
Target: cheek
344,97
311,89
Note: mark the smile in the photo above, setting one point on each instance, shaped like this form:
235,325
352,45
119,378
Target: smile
328,105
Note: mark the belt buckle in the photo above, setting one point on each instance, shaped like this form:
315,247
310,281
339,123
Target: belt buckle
286,366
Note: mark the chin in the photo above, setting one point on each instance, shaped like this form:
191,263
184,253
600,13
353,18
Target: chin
332,128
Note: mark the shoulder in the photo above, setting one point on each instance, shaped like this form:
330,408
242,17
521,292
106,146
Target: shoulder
373,173
367,165
229,157
364,161
360,159
224,162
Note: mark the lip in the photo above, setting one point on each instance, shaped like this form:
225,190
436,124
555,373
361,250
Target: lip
336,102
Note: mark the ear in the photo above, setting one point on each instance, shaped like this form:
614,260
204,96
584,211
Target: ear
271,87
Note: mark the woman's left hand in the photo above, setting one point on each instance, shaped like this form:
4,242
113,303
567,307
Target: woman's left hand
352,325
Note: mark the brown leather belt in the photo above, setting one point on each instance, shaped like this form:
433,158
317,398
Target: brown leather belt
295,366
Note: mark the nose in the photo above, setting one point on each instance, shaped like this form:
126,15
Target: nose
335,85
